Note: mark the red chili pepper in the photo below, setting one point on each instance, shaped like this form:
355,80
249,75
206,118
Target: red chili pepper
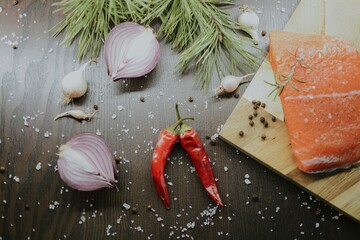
164,145
190,141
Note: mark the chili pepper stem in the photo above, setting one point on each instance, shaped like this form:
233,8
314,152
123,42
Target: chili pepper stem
183,126
172,128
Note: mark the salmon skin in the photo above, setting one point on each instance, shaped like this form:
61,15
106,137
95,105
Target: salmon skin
321,98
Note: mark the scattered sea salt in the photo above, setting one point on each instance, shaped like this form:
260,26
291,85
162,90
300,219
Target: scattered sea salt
46,134
16,179
38,166
98,132
226,169
282,10
247,176
1,9
247,181
126,206
317,225
113,116
120,107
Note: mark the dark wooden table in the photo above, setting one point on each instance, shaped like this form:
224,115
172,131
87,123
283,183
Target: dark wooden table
36,204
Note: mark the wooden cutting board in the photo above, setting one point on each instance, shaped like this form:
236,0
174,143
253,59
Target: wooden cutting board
341,189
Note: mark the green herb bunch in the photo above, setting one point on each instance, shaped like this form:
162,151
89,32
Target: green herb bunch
203,33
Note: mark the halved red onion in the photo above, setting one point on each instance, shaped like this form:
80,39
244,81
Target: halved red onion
86,164
131,50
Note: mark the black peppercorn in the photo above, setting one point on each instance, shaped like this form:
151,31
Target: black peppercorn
263,137
236,95
142,99
266,124
212,142
190,99
263,33
273,118
134,210
255,113
241,133
251,123
250,117
96,107
262,119
263,105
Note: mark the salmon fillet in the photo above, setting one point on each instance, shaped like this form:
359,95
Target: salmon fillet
321,100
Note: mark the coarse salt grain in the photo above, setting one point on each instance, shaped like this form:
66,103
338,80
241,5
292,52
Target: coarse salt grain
38,166
247,181
126,206
16,179
226,169
98,132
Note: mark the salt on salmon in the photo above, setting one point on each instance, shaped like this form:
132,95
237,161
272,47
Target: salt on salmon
320,98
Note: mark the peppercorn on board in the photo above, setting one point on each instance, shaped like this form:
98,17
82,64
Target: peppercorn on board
339,189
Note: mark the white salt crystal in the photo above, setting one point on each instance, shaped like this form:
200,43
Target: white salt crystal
46,134
317,225
126,206
159,219
26,124
1,9
50,50
120,107
226,169
38,166
282,9
98,132
247,176
247,181
16,179
113,116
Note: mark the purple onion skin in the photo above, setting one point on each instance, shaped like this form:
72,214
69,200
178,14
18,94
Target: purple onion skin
121,46
98,166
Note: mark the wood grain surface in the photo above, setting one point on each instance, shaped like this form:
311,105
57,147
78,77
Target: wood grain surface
36,204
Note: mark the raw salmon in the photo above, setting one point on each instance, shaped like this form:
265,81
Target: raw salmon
321,100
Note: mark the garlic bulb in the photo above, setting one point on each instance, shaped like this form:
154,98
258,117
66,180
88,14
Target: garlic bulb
249,22
74,85
86,164
230,84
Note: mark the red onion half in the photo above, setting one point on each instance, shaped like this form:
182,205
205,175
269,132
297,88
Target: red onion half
131,50
86,164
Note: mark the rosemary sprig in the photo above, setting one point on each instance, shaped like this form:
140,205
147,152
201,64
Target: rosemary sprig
91,21
283,80
201,31
206,37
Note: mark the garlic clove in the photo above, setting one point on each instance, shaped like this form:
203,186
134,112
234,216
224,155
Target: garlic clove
230,83
74,85
248,22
